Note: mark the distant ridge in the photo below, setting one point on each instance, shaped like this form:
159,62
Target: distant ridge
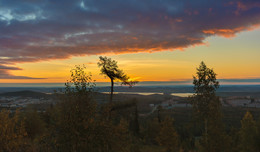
25,93
141,83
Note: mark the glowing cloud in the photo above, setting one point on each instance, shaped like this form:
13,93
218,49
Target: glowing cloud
33,31
5,74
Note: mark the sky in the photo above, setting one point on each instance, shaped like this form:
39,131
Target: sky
152,40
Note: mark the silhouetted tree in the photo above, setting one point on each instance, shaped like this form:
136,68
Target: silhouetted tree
110,69
205,85
207,107
80,82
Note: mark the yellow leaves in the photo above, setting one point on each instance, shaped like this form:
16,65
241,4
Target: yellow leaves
248,117
12,131
248,133
168,137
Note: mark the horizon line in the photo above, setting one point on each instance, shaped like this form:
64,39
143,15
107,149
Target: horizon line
184,80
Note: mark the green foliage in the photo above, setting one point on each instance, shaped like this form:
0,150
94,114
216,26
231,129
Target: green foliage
248,134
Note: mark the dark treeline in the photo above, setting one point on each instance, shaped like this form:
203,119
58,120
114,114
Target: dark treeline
78,123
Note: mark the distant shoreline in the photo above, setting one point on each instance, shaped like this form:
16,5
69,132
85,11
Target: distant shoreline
166,89
223,82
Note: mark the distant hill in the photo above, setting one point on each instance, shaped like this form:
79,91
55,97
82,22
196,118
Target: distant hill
241,94
26,93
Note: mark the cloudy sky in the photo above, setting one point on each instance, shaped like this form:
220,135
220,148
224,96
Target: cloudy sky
152,40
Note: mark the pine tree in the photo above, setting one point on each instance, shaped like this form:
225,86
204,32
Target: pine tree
207,109
110,69
248,134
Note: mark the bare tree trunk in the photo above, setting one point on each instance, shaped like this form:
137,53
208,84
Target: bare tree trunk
112,90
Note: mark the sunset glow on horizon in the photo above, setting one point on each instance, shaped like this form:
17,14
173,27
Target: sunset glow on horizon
41,41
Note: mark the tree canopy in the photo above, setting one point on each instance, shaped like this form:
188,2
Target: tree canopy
207,108
205,86
110,69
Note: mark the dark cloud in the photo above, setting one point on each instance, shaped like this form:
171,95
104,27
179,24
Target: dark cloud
36,30
5,73
2,67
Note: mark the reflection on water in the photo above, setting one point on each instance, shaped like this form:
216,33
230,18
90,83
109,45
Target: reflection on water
182,94
139,93
153,93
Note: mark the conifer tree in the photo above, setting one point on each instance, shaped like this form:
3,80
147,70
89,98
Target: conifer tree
207,109
110,69
248,134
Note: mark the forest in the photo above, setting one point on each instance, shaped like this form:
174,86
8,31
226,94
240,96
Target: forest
79,123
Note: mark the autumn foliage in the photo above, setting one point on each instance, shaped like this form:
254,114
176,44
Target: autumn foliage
79,123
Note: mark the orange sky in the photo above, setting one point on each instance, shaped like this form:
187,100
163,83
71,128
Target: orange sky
236,57
41,42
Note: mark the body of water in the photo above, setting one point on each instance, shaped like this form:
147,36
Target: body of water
144,88
144,83
153,93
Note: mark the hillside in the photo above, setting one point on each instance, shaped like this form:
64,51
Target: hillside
25,93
